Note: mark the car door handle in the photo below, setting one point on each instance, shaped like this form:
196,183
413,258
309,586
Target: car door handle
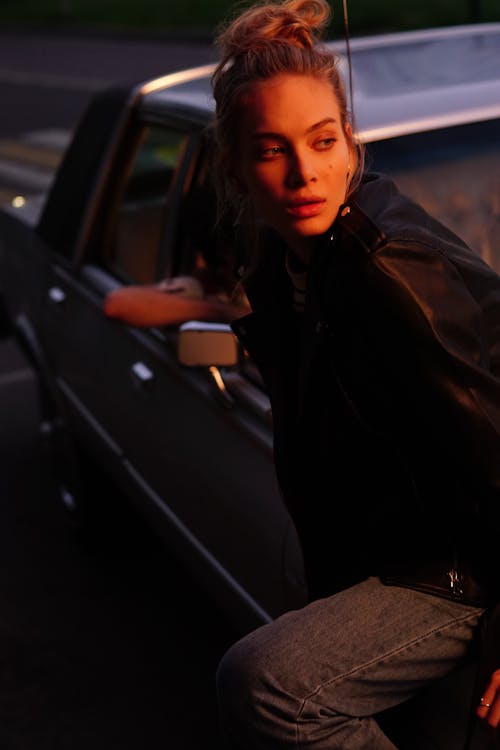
57,295
142,375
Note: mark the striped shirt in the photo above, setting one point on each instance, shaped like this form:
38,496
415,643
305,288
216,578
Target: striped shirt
297,272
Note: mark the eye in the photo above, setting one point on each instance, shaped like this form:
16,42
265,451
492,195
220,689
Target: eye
323,144
266,153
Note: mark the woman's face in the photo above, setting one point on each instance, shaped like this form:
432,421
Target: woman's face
295,158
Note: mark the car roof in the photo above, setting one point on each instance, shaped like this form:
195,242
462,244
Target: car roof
403,83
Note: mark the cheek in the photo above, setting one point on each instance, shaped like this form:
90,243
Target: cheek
338,166
338,174
263,187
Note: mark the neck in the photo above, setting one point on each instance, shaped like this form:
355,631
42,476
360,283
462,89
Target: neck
301,251
297,263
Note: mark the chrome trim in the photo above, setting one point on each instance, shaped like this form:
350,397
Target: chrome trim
433,122
82,410
175,79
57,295
194,543
142,373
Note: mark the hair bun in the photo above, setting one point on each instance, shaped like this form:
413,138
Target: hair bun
295,22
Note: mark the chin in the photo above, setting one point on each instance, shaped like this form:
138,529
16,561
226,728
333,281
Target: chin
313,227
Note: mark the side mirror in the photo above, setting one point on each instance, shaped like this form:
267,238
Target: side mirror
207,344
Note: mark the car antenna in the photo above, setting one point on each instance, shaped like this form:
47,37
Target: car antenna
349,64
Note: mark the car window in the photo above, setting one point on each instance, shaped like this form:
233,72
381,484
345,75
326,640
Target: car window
207,245
135,228
455,174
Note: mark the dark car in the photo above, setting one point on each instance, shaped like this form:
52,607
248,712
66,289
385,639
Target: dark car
187,437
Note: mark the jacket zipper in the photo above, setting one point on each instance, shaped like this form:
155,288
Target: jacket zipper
456,581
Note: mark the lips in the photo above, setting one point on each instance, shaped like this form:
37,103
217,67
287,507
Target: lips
305,208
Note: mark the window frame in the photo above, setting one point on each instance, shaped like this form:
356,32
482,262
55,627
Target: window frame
117,182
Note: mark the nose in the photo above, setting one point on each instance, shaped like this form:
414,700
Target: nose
301,169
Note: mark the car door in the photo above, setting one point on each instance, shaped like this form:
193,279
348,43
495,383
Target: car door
201,471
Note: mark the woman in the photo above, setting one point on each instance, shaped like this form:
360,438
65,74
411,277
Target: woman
376,331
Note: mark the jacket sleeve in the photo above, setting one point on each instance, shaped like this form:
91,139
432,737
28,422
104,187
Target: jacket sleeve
448,312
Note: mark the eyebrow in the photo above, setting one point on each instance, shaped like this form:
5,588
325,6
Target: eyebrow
311,129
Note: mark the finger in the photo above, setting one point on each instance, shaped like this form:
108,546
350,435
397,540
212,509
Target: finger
489,698
486,705
493,717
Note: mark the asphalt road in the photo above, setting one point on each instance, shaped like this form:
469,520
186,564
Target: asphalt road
106,642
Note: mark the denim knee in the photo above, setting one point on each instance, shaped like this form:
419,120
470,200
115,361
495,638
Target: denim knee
234,679
253,697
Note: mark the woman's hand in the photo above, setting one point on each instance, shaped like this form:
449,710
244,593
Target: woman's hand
489,705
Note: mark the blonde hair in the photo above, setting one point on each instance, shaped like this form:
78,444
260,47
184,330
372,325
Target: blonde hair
263,41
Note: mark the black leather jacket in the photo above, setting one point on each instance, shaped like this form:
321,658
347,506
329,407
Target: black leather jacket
386,399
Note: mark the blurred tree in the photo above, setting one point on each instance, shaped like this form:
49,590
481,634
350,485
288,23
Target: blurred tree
65,8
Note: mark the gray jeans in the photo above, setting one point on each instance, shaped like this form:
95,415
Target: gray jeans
315,678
